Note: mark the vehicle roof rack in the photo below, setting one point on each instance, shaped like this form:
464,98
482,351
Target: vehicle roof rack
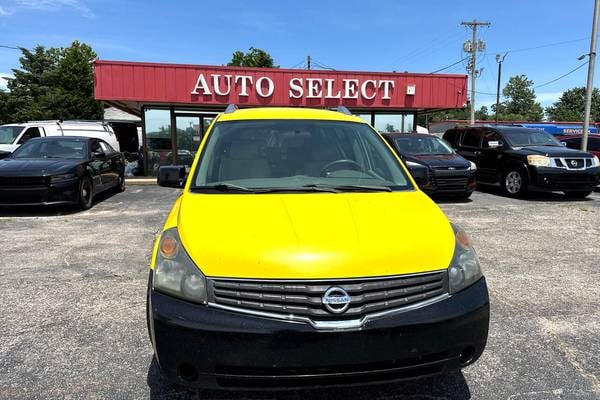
231,108
343,110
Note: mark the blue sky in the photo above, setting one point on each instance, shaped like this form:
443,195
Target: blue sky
418,36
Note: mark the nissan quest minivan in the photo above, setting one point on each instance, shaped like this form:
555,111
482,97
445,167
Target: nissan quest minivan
302,253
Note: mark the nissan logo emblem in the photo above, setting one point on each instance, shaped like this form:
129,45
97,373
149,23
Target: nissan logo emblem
574,163
336,300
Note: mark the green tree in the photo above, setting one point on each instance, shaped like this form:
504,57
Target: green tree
54,83
253,58
520,101
570,106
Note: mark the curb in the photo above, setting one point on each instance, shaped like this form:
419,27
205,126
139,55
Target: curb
140,181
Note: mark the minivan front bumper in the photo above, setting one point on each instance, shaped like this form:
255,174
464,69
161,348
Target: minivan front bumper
208,347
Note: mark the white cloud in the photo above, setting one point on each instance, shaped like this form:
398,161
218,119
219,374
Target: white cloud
3,81
48,5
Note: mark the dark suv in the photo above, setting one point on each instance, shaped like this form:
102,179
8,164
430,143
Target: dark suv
521,159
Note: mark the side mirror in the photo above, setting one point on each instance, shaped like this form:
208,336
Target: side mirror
420,174
494,144
98,155
172,176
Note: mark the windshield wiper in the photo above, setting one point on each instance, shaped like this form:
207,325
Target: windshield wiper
351,188
223,187
228,187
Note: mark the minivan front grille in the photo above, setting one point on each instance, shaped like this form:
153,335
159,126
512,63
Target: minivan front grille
304,299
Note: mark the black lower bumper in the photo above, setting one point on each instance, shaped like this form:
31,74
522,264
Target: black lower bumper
66,192
449,182
212,348
553,179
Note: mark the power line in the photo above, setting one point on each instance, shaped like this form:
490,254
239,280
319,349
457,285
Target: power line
562,76
9,47
449,66
540,46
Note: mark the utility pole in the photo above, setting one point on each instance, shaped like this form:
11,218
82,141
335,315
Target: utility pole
590,77
499,61
472,47
307,62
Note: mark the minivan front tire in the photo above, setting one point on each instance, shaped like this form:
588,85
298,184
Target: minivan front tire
514,182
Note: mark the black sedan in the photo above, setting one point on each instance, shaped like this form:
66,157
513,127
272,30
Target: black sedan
449,173
60,170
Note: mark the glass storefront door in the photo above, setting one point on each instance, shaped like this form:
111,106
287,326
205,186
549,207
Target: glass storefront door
190,129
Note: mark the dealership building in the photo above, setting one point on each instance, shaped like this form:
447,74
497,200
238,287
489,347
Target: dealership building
176,103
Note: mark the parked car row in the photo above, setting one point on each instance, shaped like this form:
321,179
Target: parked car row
515,158
60,170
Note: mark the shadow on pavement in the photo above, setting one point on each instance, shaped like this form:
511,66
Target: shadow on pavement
452,386
533,196
52,210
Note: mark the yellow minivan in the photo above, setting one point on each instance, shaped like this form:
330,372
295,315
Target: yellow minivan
302,253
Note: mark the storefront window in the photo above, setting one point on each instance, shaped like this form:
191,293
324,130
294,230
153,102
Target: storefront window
158,139
366,117
394,122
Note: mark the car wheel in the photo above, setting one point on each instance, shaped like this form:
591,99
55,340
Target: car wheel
514,182
578,195
120,186
86,193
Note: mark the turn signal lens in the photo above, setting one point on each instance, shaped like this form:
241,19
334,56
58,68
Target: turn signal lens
168,247
463,239
538,161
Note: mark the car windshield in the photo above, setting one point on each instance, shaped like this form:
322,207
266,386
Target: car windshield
8,133
52,148
422,145
299,155
529,137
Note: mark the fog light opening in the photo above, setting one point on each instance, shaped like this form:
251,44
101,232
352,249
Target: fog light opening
466,355
187,372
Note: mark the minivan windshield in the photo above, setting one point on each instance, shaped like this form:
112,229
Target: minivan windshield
52,148
529,137
8,133
296,155
422,145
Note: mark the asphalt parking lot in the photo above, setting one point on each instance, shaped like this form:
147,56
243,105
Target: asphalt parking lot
73,285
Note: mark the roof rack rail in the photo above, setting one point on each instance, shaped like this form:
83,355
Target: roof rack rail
231,108
343,110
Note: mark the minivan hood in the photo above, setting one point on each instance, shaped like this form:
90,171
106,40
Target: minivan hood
35,167
439,160
555,151
314,235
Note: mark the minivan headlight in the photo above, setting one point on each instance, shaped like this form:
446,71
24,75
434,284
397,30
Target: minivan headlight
472,166
595,162
538,161
174,271
464,269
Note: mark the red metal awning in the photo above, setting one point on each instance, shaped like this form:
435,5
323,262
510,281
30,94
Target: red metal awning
130,85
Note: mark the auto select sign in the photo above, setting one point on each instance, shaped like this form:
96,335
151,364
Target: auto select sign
298,88
147,83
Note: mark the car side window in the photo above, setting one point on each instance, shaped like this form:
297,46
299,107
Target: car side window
106,148
450,137
29,134
95,147
594,144
490,136
472,138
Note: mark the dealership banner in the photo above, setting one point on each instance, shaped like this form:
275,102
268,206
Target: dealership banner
217,85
